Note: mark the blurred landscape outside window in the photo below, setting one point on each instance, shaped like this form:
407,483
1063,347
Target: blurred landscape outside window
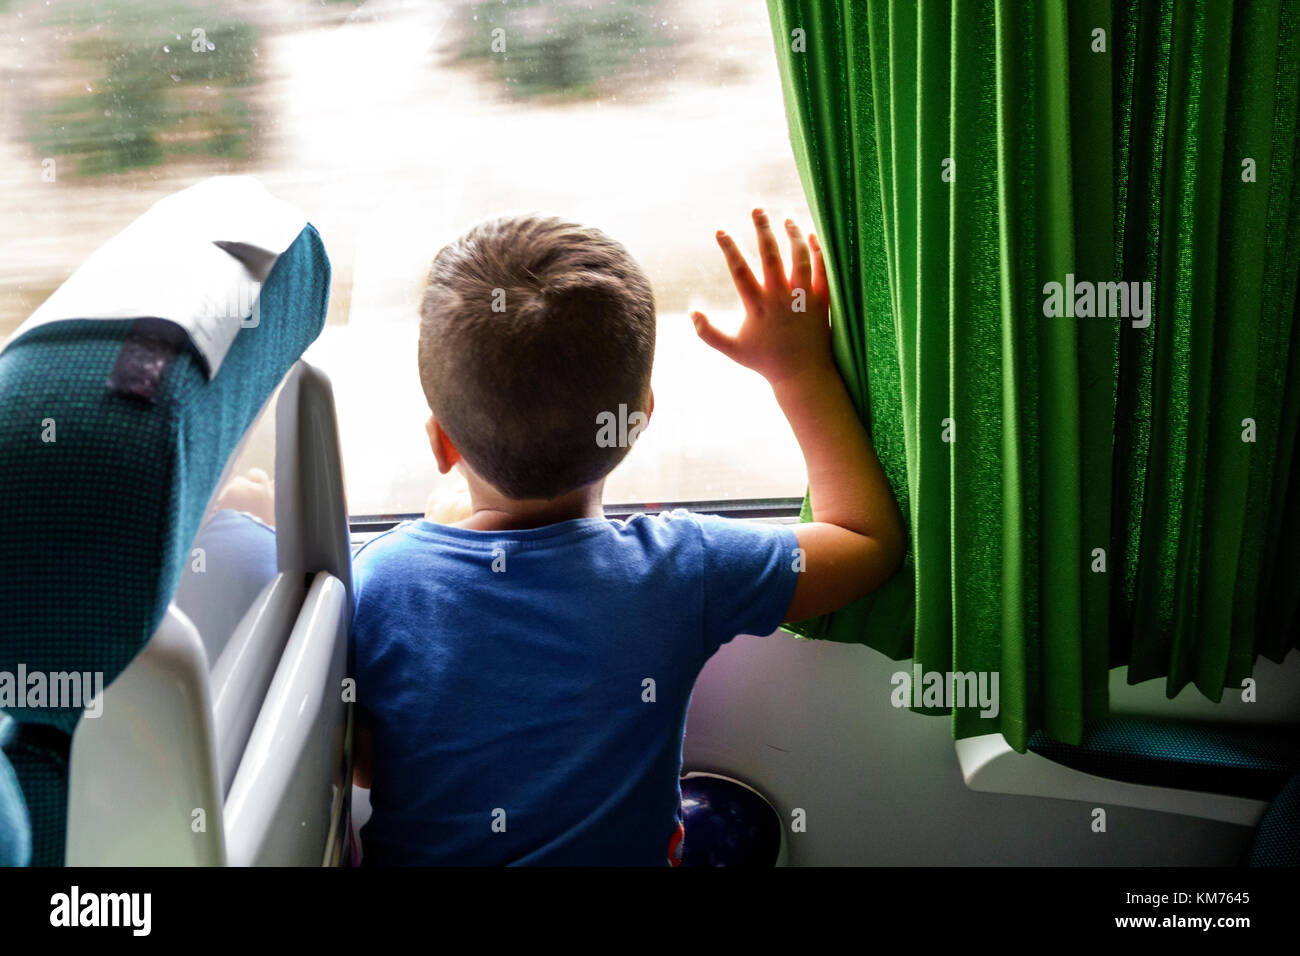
395,125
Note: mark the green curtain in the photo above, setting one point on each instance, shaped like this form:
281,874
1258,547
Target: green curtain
1082,492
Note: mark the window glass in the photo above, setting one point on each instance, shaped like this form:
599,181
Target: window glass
395,126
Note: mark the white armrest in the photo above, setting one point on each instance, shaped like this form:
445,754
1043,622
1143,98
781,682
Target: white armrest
139,772
988,763
244,670
289,794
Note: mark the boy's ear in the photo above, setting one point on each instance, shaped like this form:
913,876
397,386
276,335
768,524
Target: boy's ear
444,452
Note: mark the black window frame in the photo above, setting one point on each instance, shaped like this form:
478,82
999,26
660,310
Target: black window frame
747,508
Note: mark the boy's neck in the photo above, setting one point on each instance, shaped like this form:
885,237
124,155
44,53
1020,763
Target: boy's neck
491,511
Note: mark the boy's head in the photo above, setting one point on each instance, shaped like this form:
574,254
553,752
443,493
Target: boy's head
530,328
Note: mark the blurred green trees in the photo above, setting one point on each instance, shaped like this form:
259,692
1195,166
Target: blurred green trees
566,48
140,83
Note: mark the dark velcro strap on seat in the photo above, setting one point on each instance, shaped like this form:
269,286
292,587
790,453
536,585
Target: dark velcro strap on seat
150,346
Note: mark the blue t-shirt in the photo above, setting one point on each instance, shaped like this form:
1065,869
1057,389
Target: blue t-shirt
527,690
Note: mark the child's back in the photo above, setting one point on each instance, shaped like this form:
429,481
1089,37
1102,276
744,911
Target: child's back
523,677
534,713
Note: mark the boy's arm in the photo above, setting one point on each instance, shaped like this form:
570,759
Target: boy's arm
856,539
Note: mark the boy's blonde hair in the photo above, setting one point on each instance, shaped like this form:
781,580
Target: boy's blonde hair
531,327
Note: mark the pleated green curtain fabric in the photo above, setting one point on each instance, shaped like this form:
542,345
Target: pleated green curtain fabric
1086,486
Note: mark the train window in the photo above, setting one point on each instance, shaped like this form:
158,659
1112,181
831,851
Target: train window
395,126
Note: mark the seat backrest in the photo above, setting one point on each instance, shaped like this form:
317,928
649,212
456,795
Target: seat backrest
103,484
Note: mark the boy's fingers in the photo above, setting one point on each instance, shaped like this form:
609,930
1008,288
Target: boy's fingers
801,275
711,336
769,252
820,287
746,285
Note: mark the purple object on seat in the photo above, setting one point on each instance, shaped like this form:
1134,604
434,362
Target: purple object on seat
727,823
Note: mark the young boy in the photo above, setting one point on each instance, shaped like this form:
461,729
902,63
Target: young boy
523,676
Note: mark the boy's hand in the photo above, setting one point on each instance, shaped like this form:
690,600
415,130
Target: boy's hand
252,492
449,504
856,538
786,331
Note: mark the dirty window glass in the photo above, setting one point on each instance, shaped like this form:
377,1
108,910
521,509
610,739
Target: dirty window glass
394,126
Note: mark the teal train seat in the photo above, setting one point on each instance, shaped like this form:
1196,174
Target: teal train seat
1253,762
15,830
189,646
1277,841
